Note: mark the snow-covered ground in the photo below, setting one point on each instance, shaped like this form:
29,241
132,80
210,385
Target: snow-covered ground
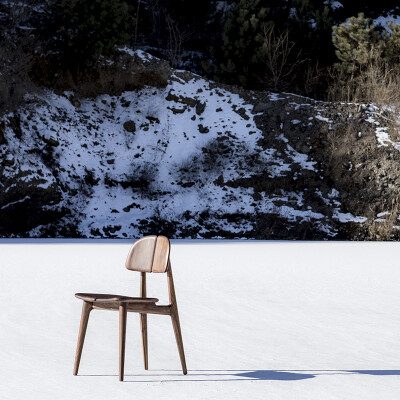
260,320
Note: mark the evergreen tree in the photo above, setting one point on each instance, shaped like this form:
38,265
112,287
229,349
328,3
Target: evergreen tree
304,26
392,46
357,43
242,42
79,31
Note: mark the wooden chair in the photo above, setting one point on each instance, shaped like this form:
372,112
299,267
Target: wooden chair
148,254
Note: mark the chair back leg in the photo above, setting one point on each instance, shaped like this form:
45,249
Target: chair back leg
86,308
122,336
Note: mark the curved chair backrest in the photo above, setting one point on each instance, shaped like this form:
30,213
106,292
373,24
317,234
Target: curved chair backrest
149,254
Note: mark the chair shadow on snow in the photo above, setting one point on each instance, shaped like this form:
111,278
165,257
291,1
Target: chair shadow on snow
251,375
386,372
270,375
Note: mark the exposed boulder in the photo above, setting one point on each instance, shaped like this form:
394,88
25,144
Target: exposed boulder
130,126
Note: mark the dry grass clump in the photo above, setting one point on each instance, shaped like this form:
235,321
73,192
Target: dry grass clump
378,83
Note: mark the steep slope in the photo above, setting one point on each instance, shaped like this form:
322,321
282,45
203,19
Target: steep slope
195,159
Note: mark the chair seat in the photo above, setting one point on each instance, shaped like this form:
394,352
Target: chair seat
112,298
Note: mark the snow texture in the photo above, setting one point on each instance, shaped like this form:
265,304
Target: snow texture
382,134
385,21
333,4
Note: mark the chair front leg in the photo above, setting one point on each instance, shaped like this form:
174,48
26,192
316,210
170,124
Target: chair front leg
86,308
143,325
122,335
175,318
178,336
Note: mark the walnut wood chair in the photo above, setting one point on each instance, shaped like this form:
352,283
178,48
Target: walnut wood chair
148,254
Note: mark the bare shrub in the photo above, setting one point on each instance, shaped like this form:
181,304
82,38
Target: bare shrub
277,59
313,80
165,36
175,40
136,21
342,87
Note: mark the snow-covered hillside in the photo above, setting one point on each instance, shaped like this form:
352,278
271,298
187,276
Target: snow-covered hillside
192,159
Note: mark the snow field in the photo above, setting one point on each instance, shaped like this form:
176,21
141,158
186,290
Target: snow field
276,320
